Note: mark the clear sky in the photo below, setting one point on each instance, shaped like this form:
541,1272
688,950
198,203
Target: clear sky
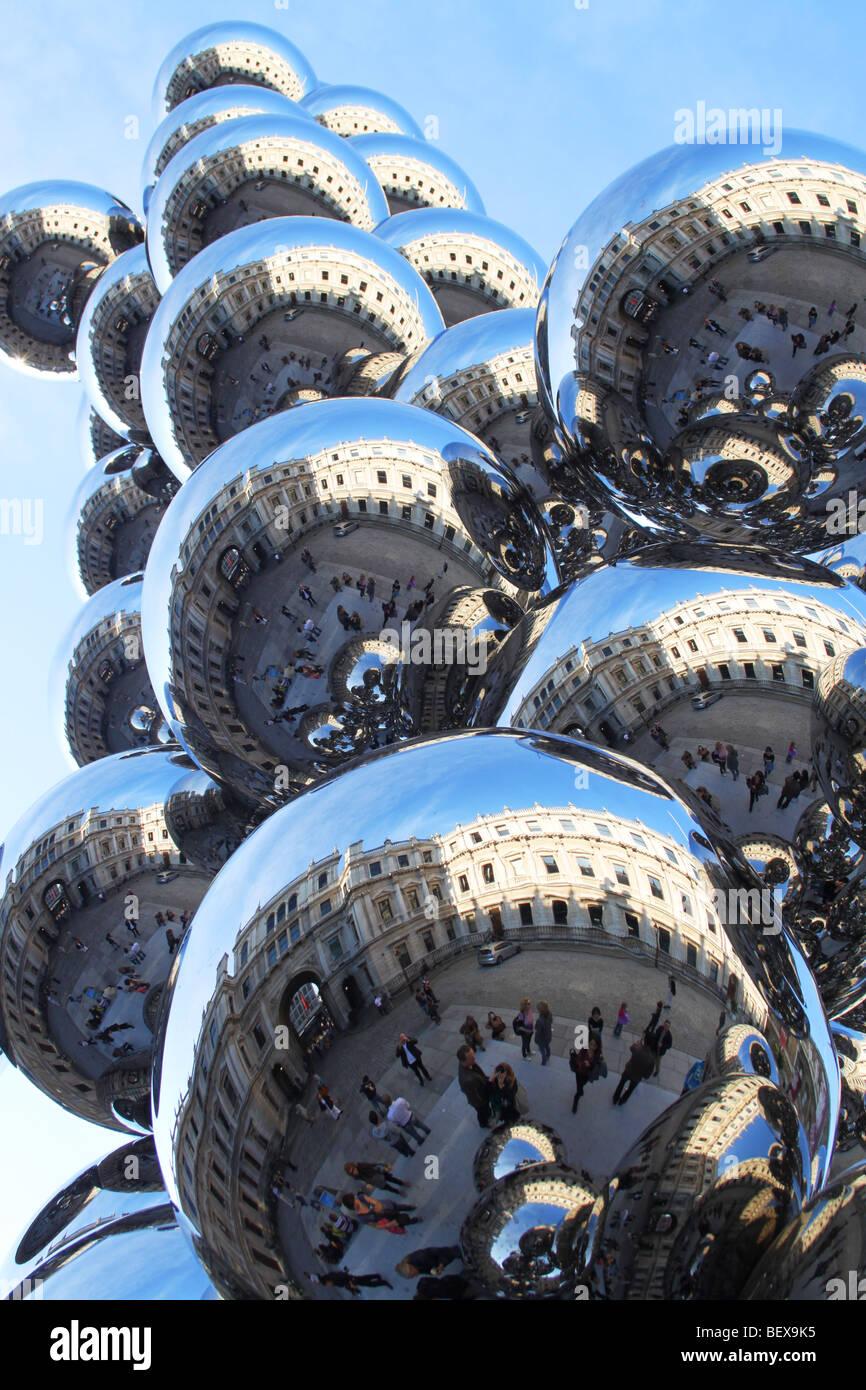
543,104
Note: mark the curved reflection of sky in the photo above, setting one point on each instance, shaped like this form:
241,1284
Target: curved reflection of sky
533,1215
520,1152
154,1264
119,782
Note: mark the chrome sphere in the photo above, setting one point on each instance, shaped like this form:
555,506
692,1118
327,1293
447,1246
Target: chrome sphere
415,173
361,888
56,238
122,849
201,112
315,289
109,1234
246,170
349,110
346,540
665,291
681,653
111,337
821,1254
851,1051
99,676
229,53
471,263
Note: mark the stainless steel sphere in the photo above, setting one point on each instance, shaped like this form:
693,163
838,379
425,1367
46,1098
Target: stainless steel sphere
99,875
229,53
201,112
416,173
670,285
345,543
246,170
217,359
100,680
350,110
111,337
471,263
56,238
372,894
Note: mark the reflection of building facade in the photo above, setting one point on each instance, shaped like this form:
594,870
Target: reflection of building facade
472,264
792,201
748,639
88,854
104,526
474,396
311,175
379,479
377,914
352,287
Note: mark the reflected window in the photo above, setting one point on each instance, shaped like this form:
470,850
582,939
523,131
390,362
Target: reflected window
550,863
487,873
655,886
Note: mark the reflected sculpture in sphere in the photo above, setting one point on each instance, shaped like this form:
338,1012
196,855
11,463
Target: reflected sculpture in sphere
821,1254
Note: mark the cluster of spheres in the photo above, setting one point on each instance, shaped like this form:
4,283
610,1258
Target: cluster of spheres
443,609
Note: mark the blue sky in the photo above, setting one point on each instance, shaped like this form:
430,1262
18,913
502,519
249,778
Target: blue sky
542,104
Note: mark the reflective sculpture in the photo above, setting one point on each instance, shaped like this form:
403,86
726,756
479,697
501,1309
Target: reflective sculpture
56,238
231,52
103,696
471,263
423,525
310,281
113,516
250,168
